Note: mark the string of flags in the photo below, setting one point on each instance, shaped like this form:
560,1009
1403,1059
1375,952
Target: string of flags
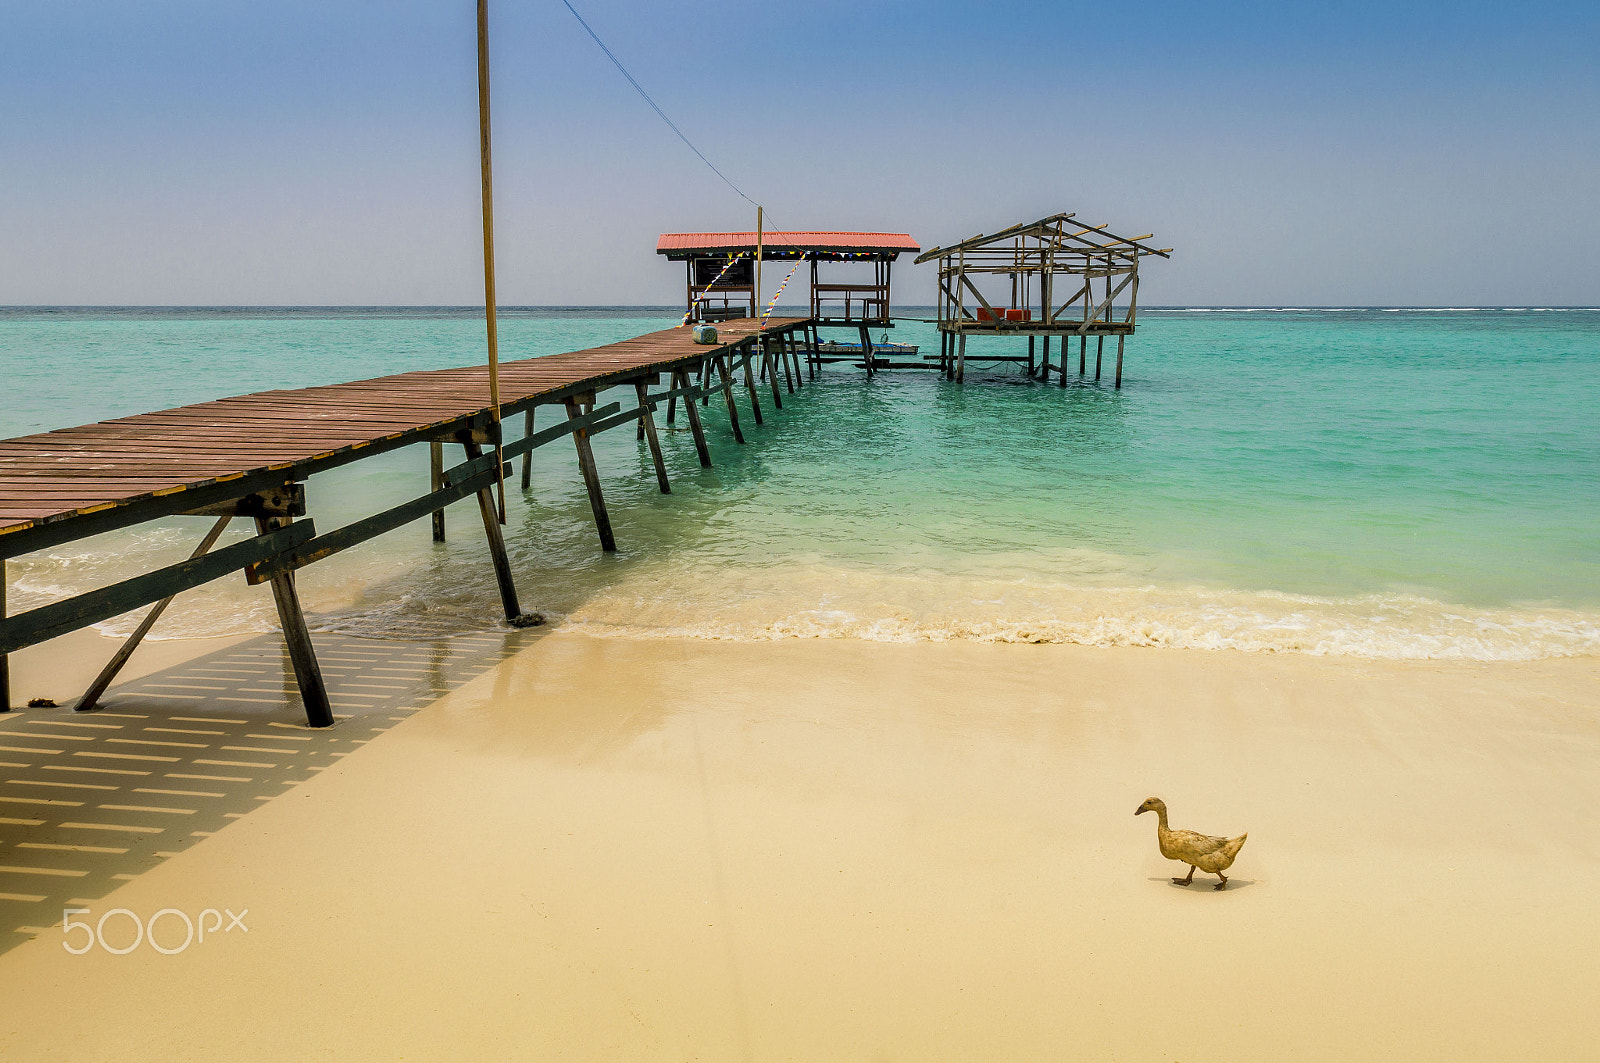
689,313
774,303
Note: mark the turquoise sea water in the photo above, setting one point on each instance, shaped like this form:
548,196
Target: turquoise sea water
1370,482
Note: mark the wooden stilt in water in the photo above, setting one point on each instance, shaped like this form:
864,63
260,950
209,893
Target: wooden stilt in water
961,360
681,379
1044,362
1120,340
781,350
109,672
791,351
591,480
297,637
1100,349
1083,352
750,385
866,350
816,355
435,482
527,457
497,549
649,424
1030,358
767,360
727,393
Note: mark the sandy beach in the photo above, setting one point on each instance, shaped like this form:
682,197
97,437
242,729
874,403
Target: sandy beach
821,849
674,559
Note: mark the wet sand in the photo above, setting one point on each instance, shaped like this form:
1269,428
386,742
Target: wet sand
610,849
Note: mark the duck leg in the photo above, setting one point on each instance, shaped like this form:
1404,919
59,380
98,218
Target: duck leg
1223,884
1186,880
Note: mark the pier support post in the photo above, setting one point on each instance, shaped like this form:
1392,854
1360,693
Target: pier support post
769,360
816,354
727,393
1099,349
648,422
297,637
527,457
750,384
781,352
680,379
789,350
591,480
435,482
961,359
866,349
1045,363
1083,351
1030,358
497,550
1120,340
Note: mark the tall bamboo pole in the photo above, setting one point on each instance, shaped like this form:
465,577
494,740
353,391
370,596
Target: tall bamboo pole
759,222
488,247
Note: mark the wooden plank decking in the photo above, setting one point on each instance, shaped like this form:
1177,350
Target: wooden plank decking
73,473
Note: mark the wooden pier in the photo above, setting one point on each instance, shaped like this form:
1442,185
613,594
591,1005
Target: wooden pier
248,457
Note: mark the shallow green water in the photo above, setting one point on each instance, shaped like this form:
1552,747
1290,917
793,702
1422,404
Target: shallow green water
1381,483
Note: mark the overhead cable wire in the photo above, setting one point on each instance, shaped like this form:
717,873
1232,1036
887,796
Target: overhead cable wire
653,105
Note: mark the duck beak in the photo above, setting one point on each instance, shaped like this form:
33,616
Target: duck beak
1140,810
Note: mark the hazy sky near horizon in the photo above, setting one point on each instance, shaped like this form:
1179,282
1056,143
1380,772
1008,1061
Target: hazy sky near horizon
326,152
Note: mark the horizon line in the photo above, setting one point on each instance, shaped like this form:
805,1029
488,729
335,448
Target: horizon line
478,308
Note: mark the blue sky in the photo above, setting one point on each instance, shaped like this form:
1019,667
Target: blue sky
295,152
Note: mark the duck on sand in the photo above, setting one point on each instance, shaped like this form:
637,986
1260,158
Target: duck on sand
1204,851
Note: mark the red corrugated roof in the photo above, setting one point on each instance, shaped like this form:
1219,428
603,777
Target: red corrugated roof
809,241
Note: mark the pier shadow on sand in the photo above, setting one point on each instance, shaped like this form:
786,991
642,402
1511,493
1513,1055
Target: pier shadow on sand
91,800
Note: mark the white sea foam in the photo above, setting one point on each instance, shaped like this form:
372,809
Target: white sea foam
1079,596
919,609
1091,604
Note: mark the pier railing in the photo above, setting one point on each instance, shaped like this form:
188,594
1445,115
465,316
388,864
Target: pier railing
851,304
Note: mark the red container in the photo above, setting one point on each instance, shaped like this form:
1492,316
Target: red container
1019,315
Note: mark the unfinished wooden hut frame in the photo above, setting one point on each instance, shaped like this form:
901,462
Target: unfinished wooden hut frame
1064,279
860,305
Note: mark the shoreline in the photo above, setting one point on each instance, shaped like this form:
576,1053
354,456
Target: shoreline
818,849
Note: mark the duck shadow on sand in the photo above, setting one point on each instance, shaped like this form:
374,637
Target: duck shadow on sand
1207,885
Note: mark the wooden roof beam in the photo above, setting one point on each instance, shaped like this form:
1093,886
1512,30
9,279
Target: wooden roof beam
1001,235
